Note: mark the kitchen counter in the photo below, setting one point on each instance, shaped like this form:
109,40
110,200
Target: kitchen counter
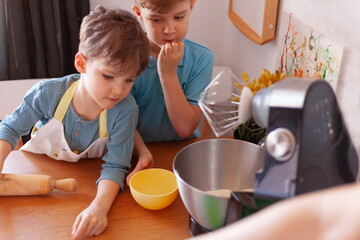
52,216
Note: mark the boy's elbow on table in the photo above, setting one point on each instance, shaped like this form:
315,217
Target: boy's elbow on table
185,132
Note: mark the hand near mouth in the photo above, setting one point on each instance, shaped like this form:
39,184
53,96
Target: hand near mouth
169,58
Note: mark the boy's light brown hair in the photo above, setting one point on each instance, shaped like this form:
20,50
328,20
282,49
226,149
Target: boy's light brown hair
160,6
117,36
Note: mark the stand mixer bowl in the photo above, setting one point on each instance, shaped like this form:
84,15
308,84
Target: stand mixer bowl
215,164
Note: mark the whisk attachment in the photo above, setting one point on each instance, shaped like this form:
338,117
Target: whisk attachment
226,102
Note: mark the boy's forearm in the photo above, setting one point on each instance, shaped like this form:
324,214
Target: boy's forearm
183,116
5,149
107,190
143,154
139,145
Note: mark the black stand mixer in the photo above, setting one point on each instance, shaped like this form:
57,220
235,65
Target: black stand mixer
307,146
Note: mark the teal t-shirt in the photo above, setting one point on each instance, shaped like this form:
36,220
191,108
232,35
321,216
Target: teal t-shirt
194,73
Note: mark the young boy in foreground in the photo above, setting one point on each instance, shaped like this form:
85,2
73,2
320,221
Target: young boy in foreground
91,114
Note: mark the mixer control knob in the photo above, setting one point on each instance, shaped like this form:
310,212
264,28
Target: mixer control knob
280,144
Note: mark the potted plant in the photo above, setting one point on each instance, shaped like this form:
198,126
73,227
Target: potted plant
250,131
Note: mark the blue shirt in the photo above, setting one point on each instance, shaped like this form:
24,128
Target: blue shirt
194,73
40,103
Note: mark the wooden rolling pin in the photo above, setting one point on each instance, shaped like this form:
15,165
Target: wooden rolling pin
33,184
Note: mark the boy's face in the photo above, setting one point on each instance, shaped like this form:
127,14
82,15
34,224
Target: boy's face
103,83
166,27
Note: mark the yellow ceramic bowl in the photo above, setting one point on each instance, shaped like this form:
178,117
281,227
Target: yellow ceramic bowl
154,188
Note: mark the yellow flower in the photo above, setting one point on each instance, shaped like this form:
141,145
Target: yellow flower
266,79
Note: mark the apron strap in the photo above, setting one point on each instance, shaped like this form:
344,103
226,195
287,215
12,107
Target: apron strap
103,133
64,104
65,101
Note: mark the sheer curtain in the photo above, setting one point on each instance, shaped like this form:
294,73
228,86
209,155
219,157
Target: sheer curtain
3,51
39,38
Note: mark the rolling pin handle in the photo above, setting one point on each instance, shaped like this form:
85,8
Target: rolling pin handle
67,184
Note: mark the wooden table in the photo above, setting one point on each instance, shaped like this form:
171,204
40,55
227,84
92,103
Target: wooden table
51,216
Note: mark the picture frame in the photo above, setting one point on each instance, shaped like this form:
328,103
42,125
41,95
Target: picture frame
269,17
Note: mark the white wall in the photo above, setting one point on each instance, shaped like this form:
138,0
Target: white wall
12,93
338,20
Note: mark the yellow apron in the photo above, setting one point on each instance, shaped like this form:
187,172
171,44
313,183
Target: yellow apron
50,138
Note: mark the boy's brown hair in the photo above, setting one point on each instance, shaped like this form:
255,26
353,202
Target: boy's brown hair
117,36
160,6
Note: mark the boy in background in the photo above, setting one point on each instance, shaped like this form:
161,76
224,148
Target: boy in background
167,91
91,114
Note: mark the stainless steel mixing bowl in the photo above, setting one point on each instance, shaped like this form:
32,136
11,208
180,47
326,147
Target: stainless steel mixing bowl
211,165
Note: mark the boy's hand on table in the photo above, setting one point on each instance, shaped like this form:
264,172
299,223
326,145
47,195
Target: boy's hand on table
90,222
169,58
145,161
